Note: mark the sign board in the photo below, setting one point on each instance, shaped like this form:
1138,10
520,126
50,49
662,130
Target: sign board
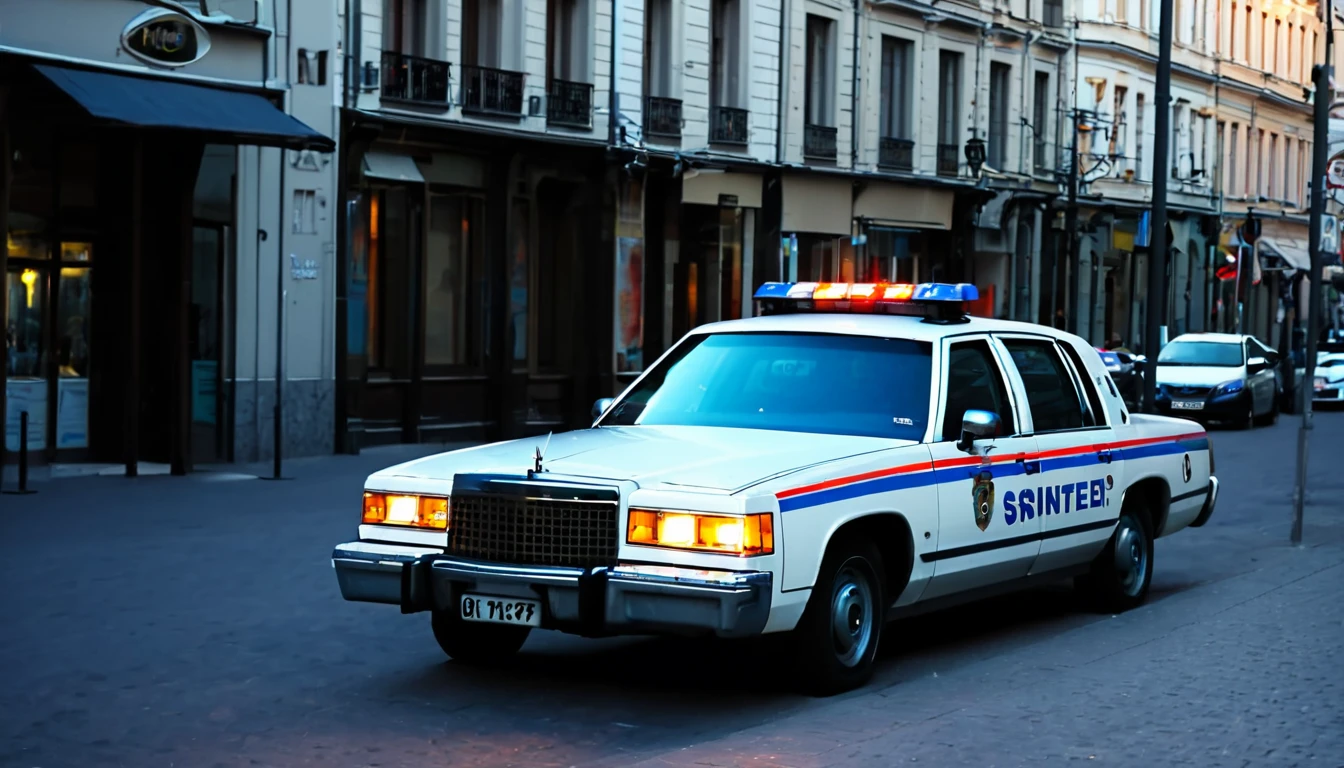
1329,234
165,38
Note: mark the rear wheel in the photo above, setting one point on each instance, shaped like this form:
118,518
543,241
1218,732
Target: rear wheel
836,640
1122,573
474,642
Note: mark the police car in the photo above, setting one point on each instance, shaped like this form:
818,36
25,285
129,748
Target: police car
854,454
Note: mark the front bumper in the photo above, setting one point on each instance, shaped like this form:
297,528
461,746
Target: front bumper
1212,408
625,600
1332,393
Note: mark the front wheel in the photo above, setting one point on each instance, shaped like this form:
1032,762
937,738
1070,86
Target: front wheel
1122,573
475,642
836,640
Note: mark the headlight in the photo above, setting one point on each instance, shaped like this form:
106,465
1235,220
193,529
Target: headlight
406,509
1229,387
1320,383
729,535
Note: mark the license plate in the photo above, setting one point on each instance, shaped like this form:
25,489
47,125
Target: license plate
1187,405
501,610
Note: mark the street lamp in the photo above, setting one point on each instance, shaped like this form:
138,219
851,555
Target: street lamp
975,155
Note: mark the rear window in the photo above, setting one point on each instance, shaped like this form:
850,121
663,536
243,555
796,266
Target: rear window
793,382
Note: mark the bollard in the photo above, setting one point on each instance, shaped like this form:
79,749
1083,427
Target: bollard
23,456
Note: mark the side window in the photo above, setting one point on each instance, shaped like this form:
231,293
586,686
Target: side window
1051,394
974,383
1098,414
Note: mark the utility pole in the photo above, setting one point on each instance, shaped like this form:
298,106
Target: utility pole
1320,75
1070,239
1157,233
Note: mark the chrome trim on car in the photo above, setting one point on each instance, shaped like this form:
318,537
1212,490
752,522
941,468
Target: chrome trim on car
1207,511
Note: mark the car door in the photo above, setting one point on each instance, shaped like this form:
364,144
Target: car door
988,531
1264,381
1079,485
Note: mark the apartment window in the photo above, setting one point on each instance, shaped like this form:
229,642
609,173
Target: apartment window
1309,58
1259,163
820,96
1278,41
1304,57
1274,191
1000,76
403,27
1289,190
1303,174
725,63
1178,112
895,88
949,111
1118,123
1138,135
1246,28
658,48
567,40
482,28
1230,175
1040,119
1221,181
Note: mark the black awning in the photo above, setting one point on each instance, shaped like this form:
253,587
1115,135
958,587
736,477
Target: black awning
219,115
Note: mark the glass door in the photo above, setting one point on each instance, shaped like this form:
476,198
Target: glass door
205,342
25,358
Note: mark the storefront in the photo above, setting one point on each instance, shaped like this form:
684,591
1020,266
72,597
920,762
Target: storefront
467,290
120,208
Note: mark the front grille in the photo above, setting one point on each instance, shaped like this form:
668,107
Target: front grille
1176,391
533,531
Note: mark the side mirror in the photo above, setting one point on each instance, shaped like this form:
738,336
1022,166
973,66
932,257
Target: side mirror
1256,364
977,425
600,407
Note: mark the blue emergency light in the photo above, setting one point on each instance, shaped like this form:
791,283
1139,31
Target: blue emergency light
935,302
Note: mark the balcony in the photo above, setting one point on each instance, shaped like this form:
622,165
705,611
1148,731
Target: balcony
1052,13
414,79
490,91
896,154
662,117
569,104
819,142
728,125
949,159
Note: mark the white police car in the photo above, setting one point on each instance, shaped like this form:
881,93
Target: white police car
856,454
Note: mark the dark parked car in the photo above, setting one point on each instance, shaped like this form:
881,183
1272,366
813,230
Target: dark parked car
1126,370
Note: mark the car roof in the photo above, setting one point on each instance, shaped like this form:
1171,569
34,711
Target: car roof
879,325
1225,338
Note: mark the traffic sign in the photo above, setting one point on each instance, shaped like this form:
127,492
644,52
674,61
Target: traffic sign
1329,234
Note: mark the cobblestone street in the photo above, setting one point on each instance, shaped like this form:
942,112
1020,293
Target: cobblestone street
196,622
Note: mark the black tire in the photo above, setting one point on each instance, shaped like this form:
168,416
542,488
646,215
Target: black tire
1123,571
1247,421
849,584
1271,418
474,642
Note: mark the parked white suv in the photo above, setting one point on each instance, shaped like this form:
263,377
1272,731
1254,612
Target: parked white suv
1218,377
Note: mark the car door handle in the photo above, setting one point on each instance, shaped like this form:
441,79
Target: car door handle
1031,467
1104,456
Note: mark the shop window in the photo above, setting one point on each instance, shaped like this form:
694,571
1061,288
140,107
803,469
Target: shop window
31,195
392,245
454,263
520,225
73,306
25,357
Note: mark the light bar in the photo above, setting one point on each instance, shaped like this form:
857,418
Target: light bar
935,302
953,292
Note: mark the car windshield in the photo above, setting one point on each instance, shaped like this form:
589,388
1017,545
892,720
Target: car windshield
793,382
1211,353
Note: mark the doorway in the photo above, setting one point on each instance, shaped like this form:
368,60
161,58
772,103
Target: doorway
209,435
712,280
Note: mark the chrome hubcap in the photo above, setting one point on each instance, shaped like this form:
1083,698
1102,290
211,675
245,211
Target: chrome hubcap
851,616
1131,556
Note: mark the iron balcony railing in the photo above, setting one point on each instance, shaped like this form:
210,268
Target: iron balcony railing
569,104
492,91
819,142
662,117
414,78
728,125
896,154
948,160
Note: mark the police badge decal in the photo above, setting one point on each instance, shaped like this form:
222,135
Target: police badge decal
982,493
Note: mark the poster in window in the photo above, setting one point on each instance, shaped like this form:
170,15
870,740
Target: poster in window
26,395
630,277
72,413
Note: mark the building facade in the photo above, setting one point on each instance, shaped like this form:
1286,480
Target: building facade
145,149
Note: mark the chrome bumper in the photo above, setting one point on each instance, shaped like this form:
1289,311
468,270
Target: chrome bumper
628,599
1207,511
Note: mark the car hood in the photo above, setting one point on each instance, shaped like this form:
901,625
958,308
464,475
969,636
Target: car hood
696,457
1196,375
